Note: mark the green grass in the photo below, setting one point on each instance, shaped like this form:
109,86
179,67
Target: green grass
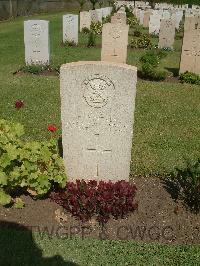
19,248
166,129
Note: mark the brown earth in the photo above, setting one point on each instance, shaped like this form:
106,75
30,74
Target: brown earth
158,219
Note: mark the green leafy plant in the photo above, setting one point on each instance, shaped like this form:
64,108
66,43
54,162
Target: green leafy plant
106,19
37,69
151,58
70,43
189,77
96,27
33,69
132,21
184,184
85,30
91,39
148,71
28,165
137,33
144,42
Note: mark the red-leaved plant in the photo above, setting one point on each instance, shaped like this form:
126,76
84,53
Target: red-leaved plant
103,200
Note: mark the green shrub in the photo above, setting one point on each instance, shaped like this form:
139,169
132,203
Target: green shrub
28,165
33,69
70,43
106,19
148,71
151,58
91,39
189,77
96,27
144,42
85,30
184,184
132,22
137,33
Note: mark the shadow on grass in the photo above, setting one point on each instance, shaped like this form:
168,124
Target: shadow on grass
17,248
174,71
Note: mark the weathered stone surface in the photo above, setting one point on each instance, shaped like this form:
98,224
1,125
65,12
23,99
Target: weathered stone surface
85,20
119,17
190,57
97,107
70,28
36,40
154,23
96,15
167,34
147,15
141,18
114,42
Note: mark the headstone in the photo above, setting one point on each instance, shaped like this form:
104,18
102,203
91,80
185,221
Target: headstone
36,40
166,14
85,20
190,57
167,34
177,17
70,28
114,42
97,110
141,18
105,11
96,15
154,23
147,15
119,17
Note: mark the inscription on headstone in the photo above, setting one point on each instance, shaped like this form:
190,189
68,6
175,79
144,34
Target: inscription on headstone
97,106
114,42
36,40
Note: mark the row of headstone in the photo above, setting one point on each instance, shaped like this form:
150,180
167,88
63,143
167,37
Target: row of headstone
142,4
152,18
36,35
87,17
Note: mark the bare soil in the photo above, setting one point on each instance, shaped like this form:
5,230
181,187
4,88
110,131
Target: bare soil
158,219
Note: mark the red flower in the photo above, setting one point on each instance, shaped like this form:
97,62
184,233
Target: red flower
52,128
19,104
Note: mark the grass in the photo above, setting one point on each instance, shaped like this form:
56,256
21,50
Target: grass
166,129
19,248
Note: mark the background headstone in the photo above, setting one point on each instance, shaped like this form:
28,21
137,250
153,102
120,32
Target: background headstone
85,20
167,34
97,110
96,15
119,17
147,15
114,42
190,57
154,23
36,40
70,28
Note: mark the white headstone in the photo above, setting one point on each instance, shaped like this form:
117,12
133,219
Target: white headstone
114,42
190,57
70,28
96,15
97,110
167,34
154,22
85,20
36,40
